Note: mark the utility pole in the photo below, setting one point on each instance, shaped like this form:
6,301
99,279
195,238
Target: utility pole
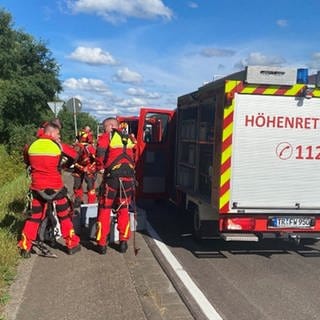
74,105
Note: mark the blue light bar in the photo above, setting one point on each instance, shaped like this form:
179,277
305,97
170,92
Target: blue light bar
302,76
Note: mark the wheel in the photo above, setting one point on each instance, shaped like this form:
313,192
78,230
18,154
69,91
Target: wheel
197,234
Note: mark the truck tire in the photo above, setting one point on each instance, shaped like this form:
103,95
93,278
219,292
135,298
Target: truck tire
197,233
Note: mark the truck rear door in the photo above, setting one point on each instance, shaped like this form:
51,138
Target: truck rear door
154,168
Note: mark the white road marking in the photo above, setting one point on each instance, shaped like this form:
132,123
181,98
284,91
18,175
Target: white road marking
196,293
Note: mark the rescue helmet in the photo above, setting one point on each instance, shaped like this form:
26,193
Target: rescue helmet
124,127
85,136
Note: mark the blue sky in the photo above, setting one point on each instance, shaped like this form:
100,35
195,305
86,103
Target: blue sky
119,55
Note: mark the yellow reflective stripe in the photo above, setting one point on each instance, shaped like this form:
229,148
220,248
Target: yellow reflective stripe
117,166
224,199
230,85
24,241
248,89
71,235
125,235
225,177
116,142
270,90
44,147
316,93
98,236
294,90
227,132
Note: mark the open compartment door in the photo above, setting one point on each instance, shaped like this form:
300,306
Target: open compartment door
155,152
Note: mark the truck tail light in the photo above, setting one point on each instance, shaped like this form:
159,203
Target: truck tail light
246,224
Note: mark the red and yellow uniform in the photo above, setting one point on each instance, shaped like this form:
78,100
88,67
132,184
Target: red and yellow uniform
43,157
115,156
85,169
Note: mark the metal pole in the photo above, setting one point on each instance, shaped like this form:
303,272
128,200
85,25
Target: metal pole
98,131
75,116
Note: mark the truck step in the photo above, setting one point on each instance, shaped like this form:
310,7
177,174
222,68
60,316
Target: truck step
239,237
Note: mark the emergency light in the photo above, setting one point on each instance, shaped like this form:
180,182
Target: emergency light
271,75
302,76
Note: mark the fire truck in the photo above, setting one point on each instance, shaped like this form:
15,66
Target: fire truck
247,155
240,155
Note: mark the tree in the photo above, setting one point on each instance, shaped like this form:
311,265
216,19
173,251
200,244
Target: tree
28,79
83,119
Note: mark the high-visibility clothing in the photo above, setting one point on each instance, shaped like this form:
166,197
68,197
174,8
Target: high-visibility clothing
84,170
115,156
44,156
111,197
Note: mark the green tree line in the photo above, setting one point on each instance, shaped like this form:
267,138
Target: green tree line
29,78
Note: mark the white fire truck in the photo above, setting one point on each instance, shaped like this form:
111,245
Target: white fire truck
248,155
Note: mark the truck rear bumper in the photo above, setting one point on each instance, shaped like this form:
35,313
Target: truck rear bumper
271,224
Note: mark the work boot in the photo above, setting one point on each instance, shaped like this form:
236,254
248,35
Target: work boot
74,250
25,254
101,249
123,246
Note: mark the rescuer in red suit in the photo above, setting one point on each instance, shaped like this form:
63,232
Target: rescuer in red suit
40,130
115,156
43,156
85,167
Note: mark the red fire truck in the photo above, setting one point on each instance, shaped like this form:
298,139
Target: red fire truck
248,155
240,154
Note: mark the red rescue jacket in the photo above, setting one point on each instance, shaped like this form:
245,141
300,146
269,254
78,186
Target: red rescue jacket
115,153
86,161
44,156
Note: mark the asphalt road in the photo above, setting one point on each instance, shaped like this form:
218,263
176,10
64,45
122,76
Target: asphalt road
267,280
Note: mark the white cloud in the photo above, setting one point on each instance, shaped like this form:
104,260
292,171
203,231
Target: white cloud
134,102
315,61
140,92
125,75
259,59
92,56
193,5
119,10
93,85
216,52
282,23
316,56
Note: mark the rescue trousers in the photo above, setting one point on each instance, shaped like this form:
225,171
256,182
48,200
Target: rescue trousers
38,214
116,193
78,180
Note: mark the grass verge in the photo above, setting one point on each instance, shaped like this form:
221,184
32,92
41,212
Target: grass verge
13,198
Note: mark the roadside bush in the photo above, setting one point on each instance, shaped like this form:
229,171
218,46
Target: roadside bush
19,137
11,166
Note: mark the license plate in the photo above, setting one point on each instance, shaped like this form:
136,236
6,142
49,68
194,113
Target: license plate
291,222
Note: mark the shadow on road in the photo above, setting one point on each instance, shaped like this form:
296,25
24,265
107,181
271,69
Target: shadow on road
175,230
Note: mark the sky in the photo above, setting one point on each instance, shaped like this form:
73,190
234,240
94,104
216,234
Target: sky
117,56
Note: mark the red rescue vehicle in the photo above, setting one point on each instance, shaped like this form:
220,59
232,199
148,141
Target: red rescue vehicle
248,156
241,154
